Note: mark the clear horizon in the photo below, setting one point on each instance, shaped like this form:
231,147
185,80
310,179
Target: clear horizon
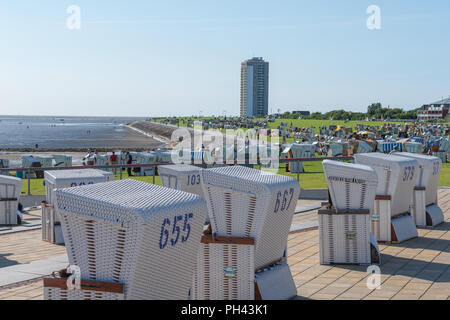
156,59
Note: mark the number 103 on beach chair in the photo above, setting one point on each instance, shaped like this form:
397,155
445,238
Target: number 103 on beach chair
244,257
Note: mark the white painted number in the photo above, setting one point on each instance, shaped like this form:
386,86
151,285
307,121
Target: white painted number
74,20
374,280
374,20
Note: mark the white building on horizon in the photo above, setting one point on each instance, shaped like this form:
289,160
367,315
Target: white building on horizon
254,88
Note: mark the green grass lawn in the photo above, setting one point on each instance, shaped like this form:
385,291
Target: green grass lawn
306,123
37,185
313,178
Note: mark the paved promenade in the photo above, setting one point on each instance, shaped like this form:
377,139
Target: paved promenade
416,269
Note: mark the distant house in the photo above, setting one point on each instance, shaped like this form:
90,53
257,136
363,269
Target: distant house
434,111
303,113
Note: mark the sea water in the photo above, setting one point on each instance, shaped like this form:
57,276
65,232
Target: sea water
60,132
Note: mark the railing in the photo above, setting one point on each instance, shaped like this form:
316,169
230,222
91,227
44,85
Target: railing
154,165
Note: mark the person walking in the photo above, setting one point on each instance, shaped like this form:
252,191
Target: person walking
113,160
129,161
95,156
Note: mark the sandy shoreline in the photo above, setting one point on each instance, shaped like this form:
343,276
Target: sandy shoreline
134,141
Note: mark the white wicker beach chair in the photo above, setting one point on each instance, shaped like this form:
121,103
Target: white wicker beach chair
4,163
441,155
364,147
46,161
413,147
102,160
336,149
27,161
351,186
344,227
388,146
55,288
445,145
146,157
184,177
420,140
396,179
424,207
256,208
109,176
56,179
301,150
9,198
141,235
164,156
62,160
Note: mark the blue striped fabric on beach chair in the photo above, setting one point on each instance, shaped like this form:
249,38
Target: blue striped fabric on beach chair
390,146
418,139
198,156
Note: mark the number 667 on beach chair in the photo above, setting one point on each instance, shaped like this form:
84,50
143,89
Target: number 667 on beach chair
244,257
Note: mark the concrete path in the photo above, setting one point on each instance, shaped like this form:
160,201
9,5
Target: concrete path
416,269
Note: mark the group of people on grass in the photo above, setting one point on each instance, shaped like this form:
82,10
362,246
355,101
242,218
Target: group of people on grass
91,159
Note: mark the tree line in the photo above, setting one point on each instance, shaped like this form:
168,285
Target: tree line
374,111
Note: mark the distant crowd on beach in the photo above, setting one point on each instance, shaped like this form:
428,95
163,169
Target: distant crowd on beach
92,156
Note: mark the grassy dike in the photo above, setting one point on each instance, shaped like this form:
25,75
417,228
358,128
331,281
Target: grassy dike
313,178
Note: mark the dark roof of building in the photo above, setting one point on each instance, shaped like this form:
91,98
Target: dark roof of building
445,101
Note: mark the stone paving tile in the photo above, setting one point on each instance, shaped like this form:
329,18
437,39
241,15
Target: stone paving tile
416,269
27,246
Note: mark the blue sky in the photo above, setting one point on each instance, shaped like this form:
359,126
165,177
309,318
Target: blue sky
177,57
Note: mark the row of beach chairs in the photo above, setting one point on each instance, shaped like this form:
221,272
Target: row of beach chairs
133,240
380,198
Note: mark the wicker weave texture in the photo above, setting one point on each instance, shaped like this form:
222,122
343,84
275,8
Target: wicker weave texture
145,157
46,161
243,202
301,150
344,238
351,186
48,224
418,211
413,147
182,177
396,177
51,293
142,235
380,220
57,179
441,155
9,189
337,149
429,175
364,147
63,160
224,272
163,156
276,282
102,160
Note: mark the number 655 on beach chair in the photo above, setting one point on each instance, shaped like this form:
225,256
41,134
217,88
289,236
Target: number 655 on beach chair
143,236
